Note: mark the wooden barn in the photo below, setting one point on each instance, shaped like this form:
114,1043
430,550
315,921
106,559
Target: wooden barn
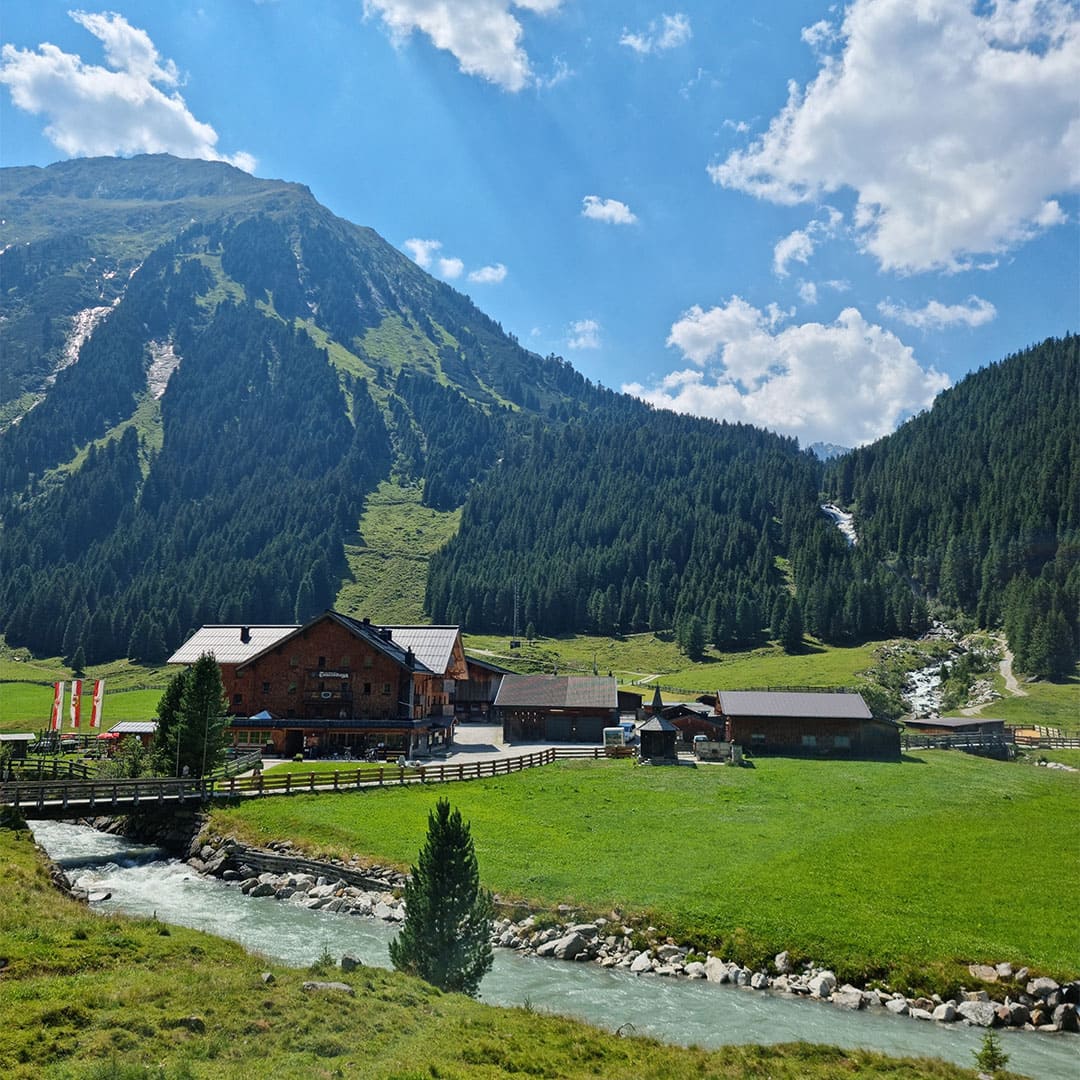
658,738
336,685
807,724
556,708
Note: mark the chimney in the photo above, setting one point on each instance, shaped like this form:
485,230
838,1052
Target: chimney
245,634
367,621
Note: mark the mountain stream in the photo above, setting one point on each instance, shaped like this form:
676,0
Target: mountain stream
142,882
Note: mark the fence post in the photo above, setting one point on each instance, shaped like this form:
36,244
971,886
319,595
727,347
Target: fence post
335,780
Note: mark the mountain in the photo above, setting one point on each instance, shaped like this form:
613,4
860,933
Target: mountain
826,451
208,375
212,372
978,500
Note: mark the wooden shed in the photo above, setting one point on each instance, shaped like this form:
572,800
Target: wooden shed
658,737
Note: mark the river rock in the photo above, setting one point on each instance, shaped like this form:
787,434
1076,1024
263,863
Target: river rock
588,931
976,995
980,1013
641,964
695,970
1065,1018
782,963
1042,988
848,997
716,970
822,984
759,981
898,1006
350,962
570,946
264,888
944,1013
1004,971
983,972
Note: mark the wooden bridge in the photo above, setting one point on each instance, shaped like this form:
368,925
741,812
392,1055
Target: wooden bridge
74,797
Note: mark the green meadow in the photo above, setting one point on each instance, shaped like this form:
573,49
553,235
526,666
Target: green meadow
89,997
904,872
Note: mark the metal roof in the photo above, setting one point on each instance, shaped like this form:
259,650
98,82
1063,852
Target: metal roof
951,721
225,645
657,723
17,736
558,691
796,704
433,646
135,727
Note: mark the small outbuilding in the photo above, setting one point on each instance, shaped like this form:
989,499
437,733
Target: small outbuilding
17,742
143,730
658,737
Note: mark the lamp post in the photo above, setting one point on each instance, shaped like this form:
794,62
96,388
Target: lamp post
206,735
179,728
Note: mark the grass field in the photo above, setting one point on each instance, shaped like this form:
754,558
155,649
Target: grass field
87,997
389,568
132,691
655,659
1051,704
902,871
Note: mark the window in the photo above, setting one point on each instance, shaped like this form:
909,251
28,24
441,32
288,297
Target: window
386,688
292,688
266,688
757,737
369,661
237,699
842,742
294,661
809,740
345,661
322,662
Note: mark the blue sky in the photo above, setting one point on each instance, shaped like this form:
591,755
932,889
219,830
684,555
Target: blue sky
807,216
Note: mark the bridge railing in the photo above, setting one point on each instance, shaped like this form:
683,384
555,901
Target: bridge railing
102,794
46,768
95,794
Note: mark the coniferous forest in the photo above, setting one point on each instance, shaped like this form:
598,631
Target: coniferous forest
257,366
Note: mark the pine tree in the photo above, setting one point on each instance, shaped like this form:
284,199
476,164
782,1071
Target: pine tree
446,936
191,720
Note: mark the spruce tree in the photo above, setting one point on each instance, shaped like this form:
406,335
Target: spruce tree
446,936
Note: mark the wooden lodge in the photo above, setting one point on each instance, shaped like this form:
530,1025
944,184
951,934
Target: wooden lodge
806,724
556,708
336,685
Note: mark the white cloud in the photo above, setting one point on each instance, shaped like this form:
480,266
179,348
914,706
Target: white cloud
610,211
669,33
484,36
489,275
935,315
799,245
956,125
422,251
584,334
426,254
119,109
848,381
450,268
808,293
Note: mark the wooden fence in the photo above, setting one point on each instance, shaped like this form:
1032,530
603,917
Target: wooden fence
60,798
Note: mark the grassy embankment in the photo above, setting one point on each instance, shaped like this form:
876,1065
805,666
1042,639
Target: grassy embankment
389,557
112,998
904,872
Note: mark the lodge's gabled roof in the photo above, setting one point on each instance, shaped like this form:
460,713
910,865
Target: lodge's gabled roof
432,645
226,643
801,705
557,692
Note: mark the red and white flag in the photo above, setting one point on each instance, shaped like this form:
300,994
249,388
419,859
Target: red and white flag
57,707
99,693
76,701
